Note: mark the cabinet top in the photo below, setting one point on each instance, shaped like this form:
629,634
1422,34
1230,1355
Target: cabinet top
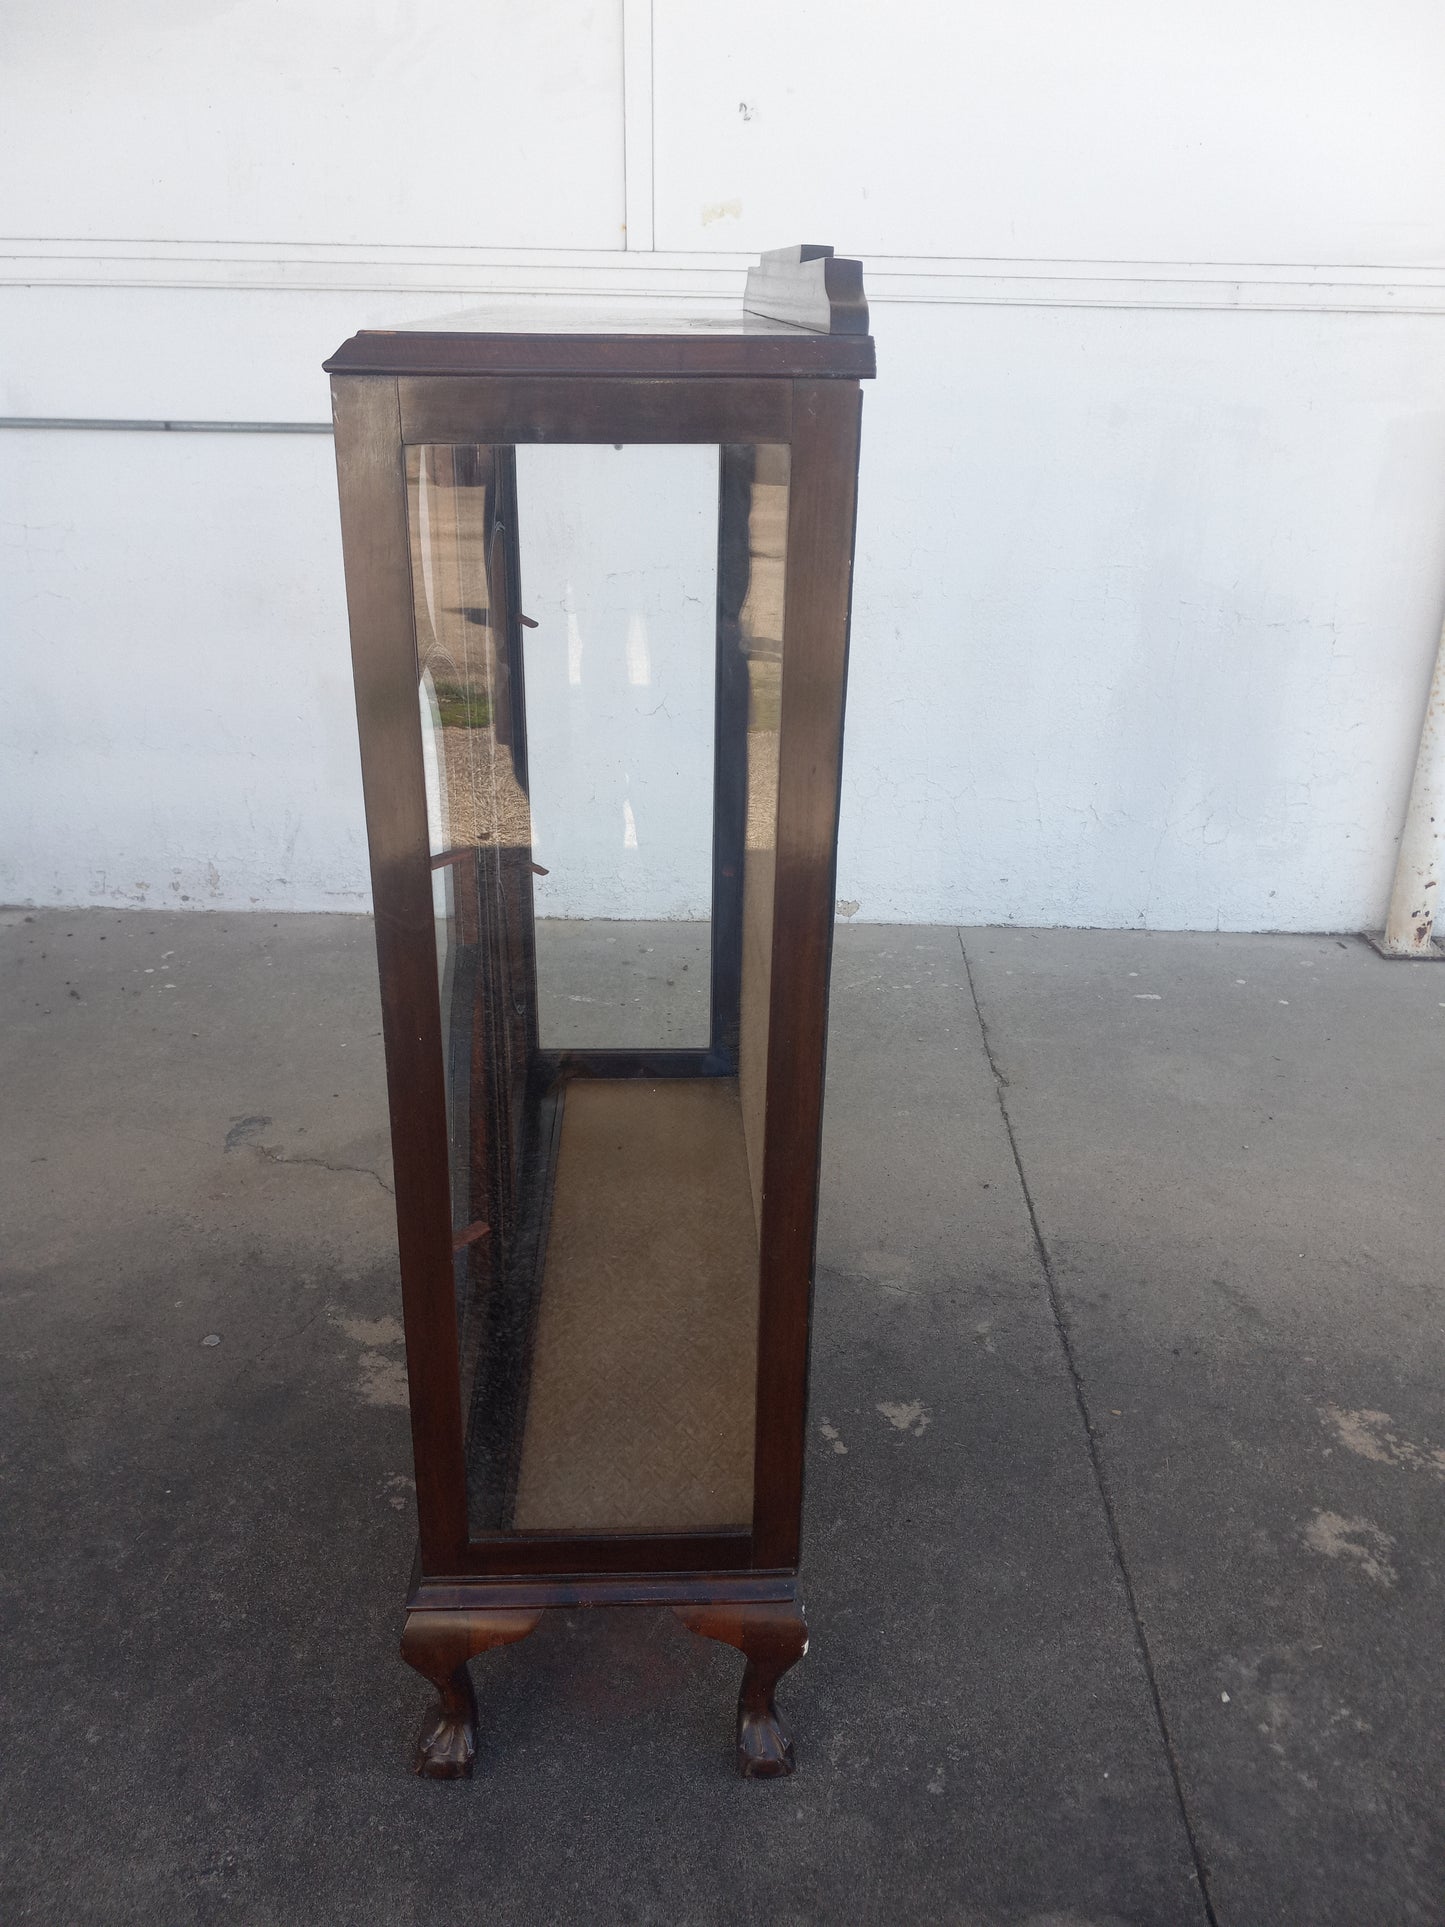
803,314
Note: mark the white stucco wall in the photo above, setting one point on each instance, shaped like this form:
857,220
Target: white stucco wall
1151,554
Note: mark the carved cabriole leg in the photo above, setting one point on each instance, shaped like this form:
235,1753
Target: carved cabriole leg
771,1638
438,1645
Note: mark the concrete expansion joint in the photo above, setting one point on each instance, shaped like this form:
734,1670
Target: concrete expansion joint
1101,1483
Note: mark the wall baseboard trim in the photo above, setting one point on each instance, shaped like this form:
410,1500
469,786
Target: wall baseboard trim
661,277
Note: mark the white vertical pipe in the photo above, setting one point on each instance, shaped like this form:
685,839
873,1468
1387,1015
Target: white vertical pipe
1417,869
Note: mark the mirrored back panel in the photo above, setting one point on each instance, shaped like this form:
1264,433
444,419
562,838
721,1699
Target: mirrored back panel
599,653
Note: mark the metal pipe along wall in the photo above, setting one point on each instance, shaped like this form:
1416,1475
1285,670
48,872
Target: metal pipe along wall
1417,869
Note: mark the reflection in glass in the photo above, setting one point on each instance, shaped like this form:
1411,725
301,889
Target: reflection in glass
763,482
470,695
602,796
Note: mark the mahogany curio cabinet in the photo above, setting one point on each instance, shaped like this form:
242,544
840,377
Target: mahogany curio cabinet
598,575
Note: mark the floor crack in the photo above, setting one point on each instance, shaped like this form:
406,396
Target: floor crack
273,1156
1061,1326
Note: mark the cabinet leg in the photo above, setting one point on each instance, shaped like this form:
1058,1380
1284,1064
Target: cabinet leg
771,1638
438,1645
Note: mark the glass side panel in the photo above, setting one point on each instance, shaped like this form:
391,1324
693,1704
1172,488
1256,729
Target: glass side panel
619,558
469,699
602,795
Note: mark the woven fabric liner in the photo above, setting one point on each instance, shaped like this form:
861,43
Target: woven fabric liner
640,1413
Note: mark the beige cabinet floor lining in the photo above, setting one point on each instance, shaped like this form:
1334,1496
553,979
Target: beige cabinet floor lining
640,1412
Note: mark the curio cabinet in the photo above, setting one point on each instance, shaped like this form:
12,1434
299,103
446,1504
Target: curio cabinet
598,575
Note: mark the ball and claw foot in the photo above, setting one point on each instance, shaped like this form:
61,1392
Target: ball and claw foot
438,1645
446,1747
772,1638
764,1750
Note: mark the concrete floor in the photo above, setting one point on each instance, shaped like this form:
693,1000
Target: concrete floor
1126,1526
